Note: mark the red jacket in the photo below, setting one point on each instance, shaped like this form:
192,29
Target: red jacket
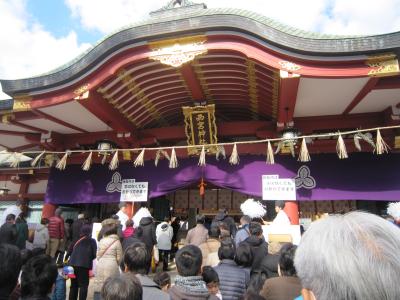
56,227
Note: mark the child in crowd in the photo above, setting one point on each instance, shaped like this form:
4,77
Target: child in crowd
210,277
129,230
163,280
59,292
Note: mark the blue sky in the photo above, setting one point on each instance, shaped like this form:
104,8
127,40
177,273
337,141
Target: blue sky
55,16
40,35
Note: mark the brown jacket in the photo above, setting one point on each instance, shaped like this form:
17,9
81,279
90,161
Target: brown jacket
209,250
281,288
197,235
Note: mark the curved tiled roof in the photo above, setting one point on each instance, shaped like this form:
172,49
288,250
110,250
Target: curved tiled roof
208,20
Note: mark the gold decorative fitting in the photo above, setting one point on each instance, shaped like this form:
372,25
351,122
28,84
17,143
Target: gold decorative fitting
383,65
82,92
289,66
176,52
22,103
397,142
6,118
253,91
286,74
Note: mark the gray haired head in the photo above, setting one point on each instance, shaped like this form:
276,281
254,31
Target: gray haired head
352,256
58,212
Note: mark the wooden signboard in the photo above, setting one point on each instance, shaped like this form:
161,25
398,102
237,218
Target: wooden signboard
200,128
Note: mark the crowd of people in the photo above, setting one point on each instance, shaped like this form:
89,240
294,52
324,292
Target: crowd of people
351,256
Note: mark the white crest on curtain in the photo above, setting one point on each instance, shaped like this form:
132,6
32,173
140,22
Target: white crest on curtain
304,179
115,184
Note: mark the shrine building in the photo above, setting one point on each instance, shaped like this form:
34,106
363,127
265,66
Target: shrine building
252,78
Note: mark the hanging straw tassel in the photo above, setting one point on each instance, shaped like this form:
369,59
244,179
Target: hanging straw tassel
173,162
202,159
37,158
61,165
270,154
341,148
139,161
16,159
88,162
304,156
114,161
381,146
158,156
234,159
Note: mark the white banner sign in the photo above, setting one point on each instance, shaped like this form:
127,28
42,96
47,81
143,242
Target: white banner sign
132,191
278,188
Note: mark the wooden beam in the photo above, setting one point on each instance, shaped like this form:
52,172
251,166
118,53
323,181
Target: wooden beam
58,121
29,127
287,99
361,94
335,122
107,113
385,83
24,147
32,196
192,82
14,133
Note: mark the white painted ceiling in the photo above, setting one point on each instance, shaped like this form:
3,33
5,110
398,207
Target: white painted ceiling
49,125
12,141
321,97
74,113
377,101
13,128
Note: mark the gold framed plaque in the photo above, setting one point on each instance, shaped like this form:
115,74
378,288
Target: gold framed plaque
200,128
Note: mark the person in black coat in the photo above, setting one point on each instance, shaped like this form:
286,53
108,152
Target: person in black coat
38,277
76,227
222,217
8,231
148,236
258,246
82,252
233,280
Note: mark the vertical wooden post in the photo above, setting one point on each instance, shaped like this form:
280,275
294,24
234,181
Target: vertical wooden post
132,208
292,210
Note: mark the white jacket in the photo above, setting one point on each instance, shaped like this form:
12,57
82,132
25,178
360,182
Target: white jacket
281,219
41,236
164,234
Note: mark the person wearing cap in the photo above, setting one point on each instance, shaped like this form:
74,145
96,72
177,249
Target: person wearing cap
281,218
76,227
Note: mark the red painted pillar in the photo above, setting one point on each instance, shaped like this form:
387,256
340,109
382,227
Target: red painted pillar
292,210
48,210
132,208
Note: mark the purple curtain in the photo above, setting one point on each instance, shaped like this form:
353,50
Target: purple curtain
363,176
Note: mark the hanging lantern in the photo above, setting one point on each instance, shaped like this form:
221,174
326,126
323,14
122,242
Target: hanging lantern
105,147
202,187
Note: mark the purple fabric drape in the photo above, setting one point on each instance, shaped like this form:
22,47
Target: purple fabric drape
361,177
